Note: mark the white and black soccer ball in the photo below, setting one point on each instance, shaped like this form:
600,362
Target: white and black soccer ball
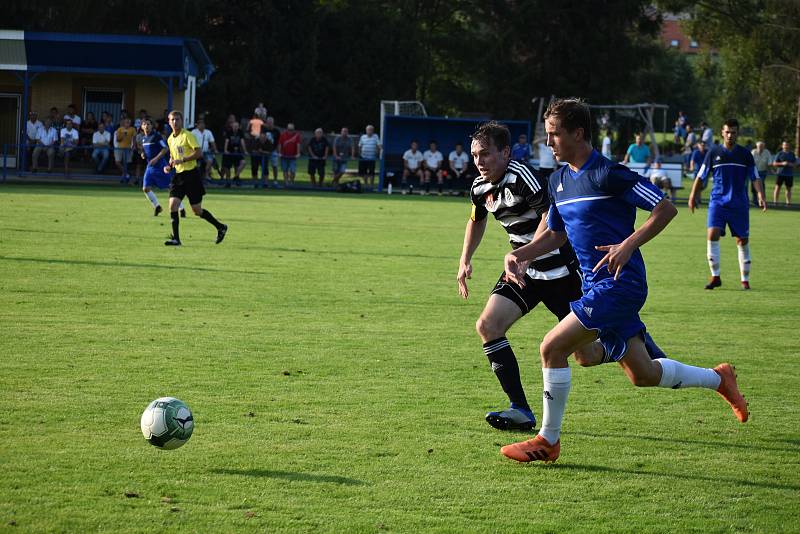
167,423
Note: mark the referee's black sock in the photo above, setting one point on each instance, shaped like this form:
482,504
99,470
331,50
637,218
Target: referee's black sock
210,218
505,367
175,224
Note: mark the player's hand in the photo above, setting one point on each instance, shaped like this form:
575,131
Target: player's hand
616,257
762,203
464,273
692,204
167,169
515,269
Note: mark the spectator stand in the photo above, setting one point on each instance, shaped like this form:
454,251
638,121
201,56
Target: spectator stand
399,130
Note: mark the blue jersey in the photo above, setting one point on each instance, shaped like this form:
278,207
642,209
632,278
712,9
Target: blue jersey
152,145
597,206
729,170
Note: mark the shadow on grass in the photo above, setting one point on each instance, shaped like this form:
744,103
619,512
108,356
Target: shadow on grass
724,444
130,265
291,476
678,476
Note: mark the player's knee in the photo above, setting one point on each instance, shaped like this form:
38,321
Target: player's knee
488,329
197,210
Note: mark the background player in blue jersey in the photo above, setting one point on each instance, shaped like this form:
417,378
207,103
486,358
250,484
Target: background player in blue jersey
155,152
593,203
730,166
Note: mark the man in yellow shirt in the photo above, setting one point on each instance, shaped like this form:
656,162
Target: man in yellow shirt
184,151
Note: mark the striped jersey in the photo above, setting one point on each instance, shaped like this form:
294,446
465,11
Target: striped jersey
729,170
518,201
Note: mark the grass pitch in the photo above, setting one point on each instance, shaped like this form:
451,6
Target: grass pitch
338,385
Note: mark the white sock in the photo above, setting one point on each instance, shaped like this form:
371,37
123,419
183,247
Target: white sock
153,200
677,375
389,189
556,390
713,257
744,261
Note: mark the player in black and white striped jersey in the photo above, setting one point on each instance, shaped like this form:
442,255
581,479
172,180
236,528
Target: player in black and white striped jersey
516,194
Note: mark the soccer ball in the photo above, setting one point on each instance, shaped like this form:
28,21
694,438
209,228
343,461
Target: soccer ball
167,423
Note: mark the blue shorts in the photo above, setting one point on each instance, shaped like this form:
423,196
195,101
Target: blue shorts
613,310
289,165
340,166
155,177
273,159
738,219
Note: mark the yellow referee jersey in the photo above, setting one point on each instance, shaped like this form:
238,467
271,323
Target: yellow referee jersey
181,146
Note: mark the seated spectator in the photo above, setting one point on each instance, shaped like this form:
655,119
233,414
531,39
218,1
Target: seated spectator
317,148
521,149
123,148
658,177
432,166
46,140
72,115
412,166
289,150
233,154
101,142
637,152
69,140
343,150
459,163
209,147
55,119
87,129
32,128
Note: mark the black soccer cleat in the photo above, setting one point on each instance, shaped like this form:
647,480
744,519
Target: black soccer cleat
158,210
514,418
183,213
172,242
221,233
714,282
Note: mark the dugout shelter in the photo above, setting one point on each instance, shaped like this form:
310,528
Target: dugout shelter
399,130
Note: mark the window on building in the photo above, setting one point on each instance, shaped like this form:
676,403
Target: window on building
674,43
98,100
693,44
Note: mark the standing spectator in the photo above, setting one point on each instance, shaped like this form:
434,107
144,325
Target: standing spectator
763,159
637,152
708,135
343,150
412,165
606,147
123,148
547,161
273,134
69,140
688,145
678,134
785,160
255,125
87,129
137,153
137,124
682,120
318,148
72,115
101,141
432,165
207,143
459,163
522,149
259,159
289,149
369,150
32,128
260,111
46,139
233,153
697,158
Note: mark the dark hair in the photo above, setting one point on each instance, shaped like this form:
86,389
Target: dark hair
414,141
731,123
573,113
492,132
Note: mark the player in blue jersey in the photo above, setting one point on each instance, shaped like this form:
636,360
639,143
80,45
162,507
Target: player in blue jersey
593,203
155,152
730,166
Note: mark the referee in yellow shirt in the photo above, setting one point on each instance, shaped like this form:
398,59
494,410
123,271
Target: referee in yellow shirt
184,152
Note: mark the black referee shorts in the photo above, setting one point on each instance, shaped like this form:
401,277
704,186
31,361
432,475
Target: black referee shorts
555,294
188,184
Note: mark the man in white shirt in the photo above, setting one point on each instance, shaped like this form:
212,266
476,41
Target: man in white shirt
459,163
412,165
72,115
369,150
32,127
432,165
547,161
209,147
46,139
606,149
101,141
69,140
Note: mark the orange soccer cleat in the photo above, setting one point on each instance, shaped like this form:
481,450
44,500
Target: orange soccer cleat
730,391
532,450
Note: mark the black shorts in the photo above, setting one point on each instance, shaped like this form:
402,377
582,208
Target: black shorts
188,184
555,294
788,181
231,160
316,165
366,166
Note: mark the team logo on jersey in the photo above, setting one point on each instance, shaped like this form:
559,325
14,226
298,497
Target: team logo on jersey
718,158
560,188
588,310
509,197
490,202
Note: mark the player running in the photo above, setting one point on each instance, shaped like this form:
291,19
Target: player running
594,203
515,193
155,152
186,182
730,166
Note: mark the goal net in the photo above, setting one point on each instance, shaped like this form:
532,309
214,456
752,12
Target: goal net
412,108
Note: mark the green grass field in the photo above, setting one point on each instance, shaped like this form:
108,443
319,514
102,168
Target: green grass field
338,385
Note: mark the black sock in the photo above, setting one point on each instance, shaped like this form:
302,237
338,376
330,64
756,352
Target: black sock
504,365
427,187
175,223
210,218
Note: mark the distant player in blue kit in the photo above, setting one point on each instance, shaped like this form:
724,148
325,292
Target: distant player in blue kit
593,203
730,166
155,152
